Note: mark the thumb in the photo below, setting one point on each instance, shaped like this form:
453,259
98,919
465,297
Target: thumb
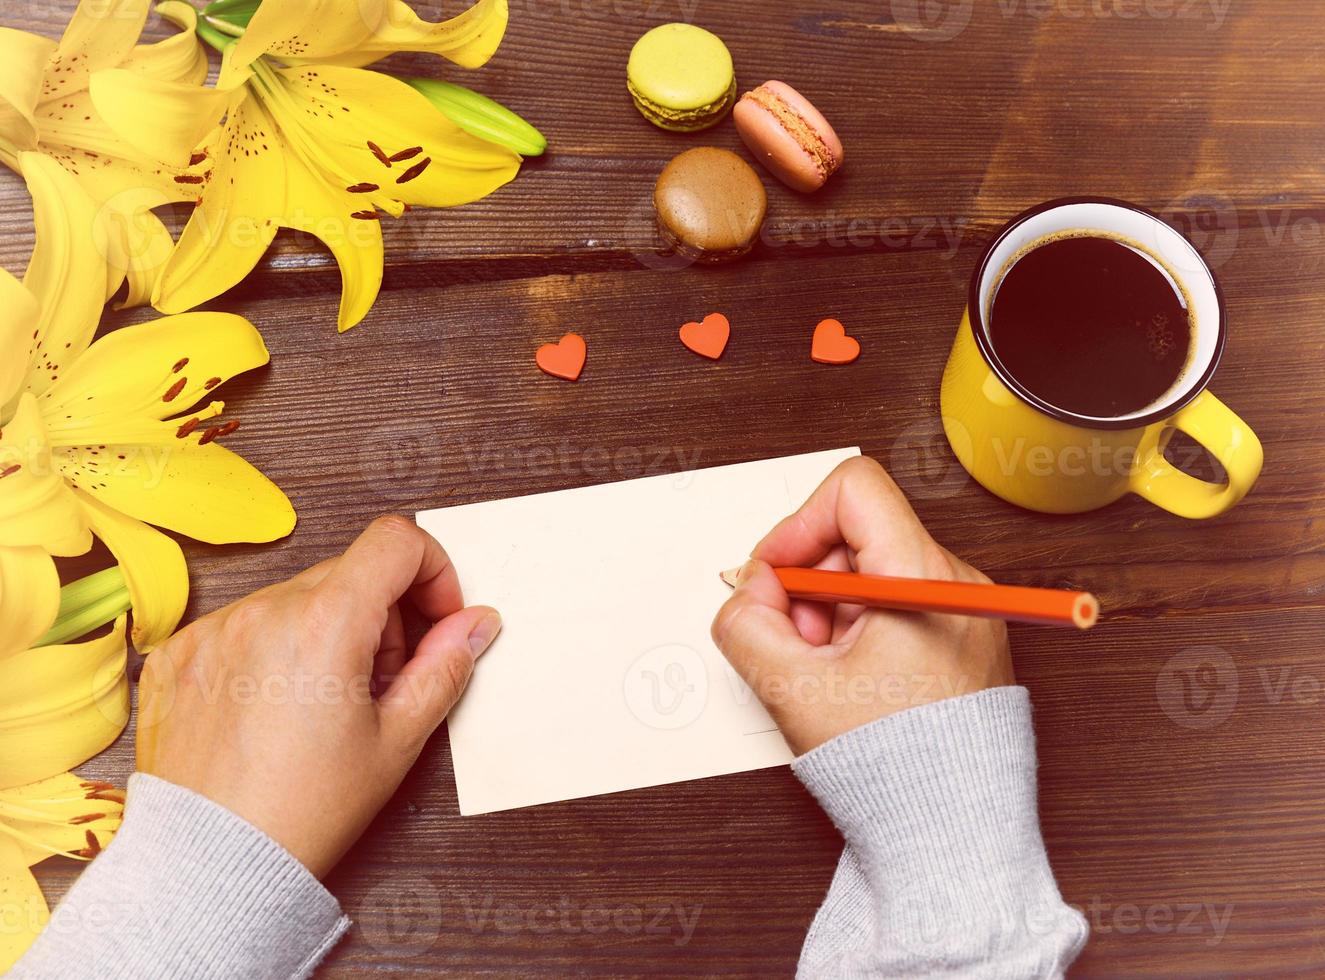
753,629
433,680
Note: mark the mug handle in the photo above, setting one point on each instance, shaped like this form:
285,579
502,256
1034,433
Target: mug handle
1226,437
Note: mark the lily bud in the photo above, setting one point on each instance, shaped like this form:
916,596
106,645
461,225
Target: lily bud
236,13
480,116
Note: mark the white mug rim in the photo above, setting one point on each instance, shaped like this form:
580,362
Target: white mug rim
1189,391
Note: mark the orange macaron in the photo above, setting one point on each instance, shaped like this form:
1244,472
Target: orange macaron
788,135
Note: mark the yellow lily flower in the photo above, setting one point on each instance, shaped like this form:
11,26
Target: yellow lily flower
92,439
61,705
63,815
46,105
316,146
355,33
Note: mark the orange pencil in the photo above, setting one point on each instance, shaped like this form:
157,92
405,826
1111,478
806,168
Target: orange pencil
1017,603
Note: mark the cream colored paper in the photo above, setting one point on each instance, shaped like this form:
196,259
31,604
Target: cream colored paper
604,677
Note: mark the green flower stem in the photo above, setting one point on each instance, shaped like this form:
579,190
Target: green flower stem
87,618
88,603
481,116
214,37
236,13
86,591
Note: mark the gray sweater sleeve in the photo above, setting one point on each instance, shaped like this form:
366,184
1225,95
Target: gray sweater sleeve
187,889
944,873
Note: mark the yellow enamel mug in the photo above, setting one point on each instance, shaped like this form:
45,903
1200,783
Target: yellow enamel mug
1039,456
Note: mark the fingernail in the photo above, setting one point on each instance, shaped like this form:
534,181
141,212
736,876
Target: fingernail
746,571
484,633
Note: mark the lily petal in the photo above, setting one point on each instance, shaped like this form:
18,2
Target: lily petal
178,58
18,318
23,58
354,110
26,909
359,32
469,39
36,507
237,217
181,113
153,567
61,705
205,492
29,598
126,189
141,246
150,370
100,34
349,228
308,28
67,269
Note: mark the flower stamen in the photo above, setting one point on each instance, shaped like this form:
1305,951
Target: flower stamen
414,171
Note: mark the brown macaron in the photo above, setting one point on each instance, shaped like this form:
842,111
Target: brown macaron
711,204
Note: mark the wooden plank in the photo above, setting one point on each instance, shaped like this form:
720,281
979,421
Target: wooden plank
1185,114
435,400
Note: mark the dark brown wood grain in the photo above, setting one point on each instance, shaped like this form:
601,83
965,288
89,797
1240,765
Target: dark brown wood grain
1151,823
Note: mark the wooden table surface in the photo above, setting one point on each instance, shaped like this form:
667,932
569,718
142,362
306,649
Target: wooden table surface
1191,839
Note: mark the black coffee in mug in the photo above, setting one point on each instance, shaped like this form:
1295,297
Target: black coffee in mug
1091,324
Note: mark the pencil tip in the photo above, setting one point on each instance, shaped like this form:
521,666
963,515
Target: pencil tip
729,576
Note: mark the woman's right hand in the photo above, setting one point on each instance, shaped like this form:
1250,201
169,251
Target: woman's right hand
822,670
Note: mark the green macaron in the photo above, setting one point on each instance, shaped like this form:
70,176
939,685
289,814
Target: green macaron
681,77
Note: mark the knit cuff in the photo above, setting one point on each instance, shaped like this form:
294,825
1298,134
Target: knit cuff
902,776
188,888
938,804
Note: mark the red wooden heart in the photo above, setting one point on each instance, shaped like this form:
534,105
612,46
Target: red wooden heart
564,359
707,338
831,345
